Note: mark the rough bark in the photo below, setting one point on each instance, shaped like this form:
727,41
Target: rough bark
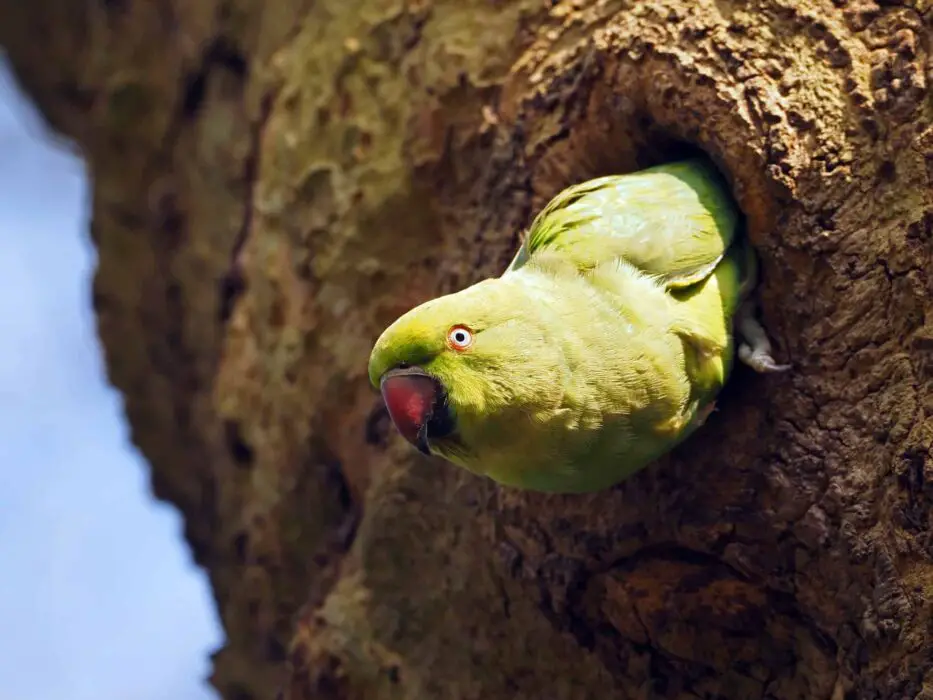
275,181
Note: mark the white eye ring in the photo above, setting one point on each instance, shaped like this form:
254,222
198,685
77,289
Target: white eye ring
459,337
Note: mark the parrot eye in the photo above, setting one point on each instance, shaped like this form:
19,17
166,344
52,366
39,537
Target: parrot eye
459,337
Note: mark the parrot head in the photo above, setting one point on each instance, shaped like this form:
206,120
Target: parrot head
456,367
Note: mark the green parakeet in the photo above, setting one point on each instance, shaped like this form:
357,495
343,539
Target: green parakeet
601,347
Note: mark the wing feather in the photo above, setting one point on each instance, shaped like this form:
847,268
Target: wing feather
673,221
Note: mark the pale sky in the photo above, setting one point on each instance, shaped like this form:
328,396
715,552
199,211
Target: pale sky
99,597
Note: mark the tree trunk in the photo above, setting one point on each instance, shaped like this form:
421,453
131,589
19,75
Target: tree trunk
274,182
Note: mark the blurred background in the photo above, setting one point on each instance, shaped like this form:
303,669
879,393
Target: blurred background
99,597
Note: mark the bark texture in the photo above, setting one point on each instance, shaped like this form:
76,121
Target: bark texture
274,182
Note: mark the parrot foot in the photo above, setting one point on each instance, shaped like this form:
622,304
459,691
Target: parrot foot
704,413
755,351
676,424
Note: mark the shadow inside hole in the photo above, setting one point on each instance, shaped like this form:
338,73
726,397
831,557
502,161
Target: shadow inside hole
616,149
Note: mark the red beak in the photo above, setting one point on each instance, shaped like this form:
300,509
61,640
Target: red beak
410,395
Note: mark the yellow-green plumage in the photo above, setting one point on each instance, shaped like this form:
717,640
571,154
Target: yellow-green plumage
604,342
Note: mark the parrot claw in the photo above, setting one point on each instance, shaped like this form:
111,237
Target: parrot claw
760,360
756,350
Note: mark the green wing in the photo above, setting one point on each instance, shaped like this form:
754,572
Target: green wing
674,221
